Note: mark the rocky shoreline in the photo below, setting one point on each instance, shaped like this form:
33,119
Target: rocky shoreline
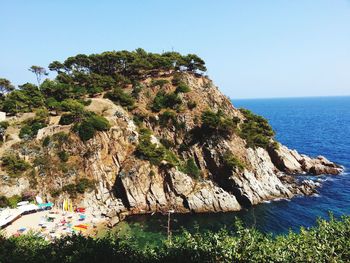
126,184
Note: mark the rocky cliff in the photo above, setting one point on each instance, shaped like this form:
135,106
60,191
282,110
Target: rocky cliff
198,153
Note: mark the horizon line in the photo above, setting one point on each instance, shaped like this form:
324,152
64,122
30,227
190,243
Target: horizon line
291,97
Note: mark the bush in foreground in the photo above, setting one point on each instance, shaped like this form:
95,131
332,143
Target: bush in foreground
327,242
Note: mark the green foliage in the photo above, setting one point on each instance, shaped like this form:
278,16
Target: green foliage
177,79
31,128
182,88
25,99
84,184
86,131
117,95
60,137
13,200
191,169
152,152
14,165
165,100
88,127
217,123
56,91
4,202
191,104
80,187
10,202
63,155
5,87
41,113
46,141
158,82
72,105
93,90
4,125
83,75
326,242
122,66
136,89
231,162
167,118
70,189
68,118
256,130
99,123
167,143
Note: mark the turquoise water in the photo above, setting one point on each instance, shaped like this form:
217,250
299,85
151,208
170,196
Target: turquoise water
313,126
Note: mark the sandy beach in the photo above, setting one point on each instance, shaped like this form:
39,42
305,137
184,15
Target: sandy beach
55,223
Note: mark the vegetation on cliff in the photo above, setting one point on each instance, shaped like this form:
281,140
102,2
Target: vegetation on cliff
327,242
161,109
256,130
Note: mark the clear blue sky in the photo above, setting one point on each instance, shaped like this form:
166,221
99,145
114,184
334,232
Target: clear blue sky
261,48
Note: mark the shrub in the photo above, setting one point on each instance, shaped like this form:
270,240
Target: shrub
154,153
4,125
177,79
84,184
167,143
14,165
63,155
138,120
4,201
256,130
182,88
14,200
136,89
30,130
46,141
191,105
10,202
231,162
326,242
158,82
167,118
164,100
93,90
41,113
67,118
72,105
55,193
191,169
60,137
117,95
88,127
99,123
217,123
80,187
86,131
70,189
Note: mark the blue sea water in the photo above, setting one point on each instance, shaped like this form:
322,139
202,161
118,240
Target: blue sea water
313,126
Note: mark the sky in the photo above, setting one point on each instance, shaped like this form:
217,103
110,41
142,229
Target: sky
253,49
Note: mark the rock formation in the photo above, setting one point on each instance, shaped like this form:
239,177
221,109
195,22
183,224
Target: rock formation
127,183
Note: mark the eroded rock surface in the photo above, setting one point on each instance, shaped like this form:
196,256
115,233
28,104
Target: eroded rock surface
126,184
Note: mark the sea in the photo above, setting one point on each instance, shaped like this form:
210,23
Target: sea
313,126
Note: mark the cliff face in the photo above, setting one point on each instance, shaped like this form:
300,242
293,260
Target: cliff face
128,183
